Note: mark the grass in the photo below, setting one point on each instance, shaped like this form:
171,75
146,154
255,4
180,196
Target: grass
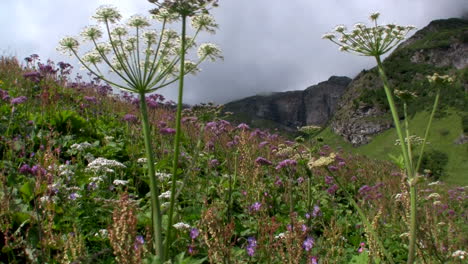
444,132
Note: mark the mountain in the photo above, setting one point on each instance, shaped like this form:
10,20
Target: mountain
357,109
289,110
440,47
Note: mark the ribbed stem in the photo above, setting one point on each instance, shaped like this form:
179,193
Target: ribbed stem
175,161
154,189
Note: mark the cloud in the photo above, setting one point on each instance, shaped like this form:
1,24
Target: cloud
268,45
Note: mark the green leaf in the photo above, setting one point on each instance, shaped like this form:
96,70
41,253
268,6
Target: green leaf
362,258
27,191
399,161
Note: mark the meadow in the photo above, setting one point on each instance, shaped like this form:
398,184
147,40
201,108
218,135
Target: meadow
78,182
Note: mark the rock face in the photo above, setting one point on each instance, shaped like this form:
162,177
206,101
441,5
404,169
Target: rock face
289,110
442,44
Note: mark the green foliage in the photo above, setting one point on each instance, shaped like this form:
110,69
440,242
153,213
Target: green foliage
465,124
435,161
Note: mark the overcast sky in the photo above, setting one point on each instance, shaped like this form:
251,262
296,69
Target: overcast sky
268,45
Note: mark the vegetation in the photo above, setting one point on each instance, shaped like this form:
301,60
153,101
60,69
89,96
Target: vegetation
76,184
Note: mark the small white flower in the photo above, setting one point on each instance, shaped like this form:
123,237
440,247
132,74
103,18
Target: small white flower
181,225
92,57
142,160
119,31
120,182
328,36
165,195
434,196
398,197
163,176
107,14
435,203
434,183
165,205
210,51
459,254
164,15
404,235
91,33
44,199
340,29
204,22
280,236
68,45
103,233
138,21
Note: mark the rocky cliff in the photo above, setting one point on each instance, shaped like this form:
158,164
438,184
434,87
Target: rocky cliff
289,110
440,47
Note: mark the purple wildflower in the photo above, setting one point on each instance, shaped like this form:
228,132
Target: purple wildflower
91,99
4,95
333,168
73,196
214,163
300,180
262,144
263,161
243,126
18,100
286,163
140,240
194,233
130,118
25,169
316,212
255,207
167,131
308,244
328,180
332,189
33,76
251,246
313,260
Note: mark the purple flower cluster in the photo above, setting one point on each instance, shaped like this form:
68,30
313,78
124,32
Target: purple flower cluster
371,192
262,161
308,243
286,163
4,95
251,246
167,131
36,170
91,99
255,207
194,233
130,118
18,100
214,163
243,127
332,189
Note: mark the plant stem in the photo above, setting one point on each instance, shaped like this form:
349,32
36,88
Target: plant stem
364,219
177,135
436,102
154,189
409,168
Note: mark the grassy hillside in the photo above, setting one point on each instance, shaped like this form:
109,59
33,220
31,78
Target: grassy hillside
445,130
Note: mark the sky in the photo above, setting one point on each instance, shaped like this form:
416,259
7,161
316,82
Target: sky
268,45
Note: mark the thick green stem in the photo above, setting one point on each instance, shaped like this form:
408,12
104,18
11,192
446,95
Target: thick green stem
421,152
154,189
408,136
409,168
175,161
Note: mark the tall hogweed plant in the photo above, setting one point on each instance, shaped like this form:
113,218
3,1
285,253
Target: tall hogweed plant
141,60
375,41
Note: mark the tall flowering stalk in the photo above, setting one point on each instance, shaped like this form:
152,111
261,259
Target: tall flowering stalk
142,60
375,41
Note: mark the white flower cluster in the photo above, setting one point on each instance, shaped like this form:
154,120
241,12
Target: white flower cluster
163,176
204,22
413,139
102,164
142,160
81,146
165,195
102,233
210,51
181,226
461,254
369,41
120,182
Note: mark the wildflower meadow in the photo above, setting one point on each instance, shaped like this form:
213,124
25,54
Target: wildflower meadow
104,169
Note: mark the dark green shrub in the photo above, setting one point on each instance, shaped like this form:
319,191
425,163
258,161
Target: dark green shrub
465,124
435,161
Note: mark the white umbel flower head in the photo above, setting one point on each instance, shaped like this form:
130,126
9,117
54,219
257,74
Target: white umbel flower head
374,16
120,182
150,37
107,14
102,164
104,48
138,21
210,51
191,67
68,45
164,15
204,22
119,31
91,33
328,36
165,195
181,226
92,57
